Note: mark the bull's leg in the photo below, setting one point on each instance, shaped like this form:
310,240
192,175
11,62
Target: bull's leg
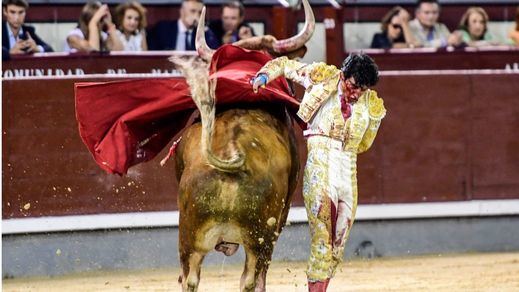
248,278
262,277
261,268
191,263
256,265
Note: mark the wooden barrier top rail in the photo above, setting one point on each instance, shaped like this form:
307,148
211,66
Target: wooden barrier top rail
156,62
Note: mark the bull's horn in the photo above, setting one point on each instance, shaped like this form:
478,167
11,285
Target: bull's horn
300,39
203,50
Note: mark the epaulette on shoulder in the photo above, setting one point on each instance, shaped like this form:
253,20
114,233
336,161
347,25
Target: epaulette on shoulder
322,72
376,108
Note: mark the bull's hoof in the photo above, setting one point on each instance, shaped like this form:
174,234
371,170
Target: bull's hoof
227,248
250,288
191,288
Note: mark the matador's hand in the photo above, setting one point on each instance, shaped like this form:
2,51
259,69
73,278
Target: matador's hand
259,81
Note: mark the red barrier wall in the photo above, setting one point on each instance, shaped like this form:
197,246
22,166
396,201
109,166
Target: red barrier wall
446,137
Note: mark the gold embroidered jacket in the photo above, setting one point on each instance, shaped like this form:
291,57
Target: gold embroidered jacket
322,82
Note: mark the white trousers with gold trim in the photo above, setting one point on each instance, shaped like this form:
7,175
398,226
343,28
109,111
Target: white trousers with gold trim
330,196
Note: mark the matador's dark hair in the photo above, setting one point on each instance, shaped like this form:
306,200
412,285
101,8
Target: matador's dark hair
362,68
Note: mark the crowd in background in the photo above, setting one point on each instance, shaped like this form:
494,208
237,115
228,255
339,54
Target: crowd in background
126,30
398,31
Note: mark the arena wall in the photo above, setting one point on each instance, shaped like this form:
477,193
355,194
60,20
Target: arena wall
440,128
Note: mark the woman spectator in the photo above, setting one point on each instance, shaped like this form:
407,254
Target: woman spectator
95,32
395,31
131,22
473,28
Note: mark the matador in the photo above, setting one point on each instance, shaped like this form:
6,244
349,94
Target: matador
343,116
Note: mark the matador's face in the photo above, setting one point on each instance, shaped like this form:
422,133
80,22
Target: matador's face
351,90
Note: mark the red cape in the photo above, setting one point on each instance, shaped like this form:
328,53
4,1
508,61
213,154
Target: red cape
124,123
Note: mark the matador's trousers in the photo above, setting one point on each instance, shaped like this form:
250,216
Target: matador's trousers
330,195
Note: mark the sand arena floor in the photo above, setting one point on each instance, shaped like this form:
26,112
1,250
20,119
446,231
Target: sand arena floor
465,272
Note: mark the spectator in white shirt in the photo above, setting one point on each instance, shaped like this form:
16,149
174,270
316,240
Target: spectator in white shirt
95,32
131,22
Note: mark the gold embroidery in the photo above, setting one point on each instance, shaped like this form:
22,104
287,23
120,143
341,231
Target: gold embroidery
376,111
376,106
337,123
322,72
317,95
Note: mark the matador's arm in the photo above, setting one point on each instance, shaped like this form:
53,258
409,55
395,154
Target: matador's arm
304,74
377,112
319,79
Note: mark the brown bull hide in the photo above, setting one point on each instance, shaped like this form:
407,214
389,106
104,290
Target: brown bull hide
219,210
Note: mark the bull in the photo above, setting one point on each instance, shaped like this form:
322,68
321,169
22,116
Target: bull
236,169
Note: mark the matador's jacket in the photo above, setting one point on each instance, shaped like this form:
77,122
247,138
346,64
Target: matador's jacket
333,140
321,82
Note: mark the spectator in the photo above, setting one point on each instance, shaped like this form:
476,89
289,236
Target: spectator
473,28
426,29
514,33
230,28
180,34
131,21
18,38
395,31
95,32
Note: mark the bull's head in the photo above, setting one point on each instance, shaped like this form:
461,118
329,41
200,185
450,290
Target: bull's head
292,47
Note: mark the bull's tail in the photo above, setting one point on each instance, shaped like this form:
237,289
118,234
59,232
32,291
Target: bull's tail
202,89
